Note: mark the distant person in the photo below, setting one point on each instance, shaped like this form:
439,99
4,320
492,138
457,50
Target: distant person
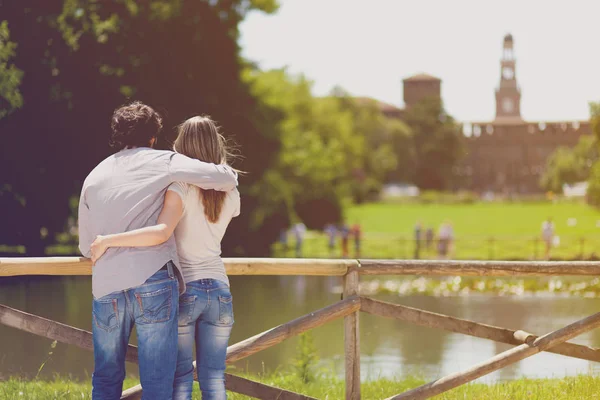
345,233
548,236
418,239
357,235
283,239
429,237
331,232
445,240
299,230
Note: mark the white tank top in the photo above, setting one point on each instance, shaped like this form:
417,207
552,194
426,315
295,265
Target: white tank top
198,240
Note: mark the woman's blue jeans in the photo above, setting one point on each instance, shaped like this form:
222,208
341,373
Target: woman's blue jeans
206,319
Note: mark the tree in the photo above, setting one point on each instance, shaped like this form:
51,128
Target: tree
389,152
79,60
438,143
570,165
320,151
593,192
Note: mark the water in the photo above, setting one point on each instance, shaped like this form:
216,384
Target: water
389,348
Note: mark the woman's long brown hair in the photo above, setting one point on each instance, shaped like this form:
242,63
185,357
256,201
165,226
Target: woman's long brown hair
199,138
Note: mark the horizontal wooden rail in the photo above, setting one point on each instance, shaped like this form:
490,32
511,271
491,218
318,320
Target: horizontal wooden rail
234,266
433,320
478,268
501,360
324,267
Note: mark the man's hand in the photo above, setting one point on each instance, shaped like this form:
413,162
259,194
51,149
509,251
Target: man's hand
98,248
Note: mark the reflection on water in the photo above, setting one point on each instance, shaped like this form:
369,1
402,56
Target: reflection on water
389,348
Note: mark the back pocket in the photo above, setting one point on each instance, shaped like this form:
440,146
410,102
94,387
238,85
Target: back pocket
155,306
106,314
225,309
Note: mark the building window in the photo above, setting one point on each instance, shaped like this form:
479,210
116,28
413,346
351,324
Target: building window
489,129
575,125
468,129
542,126
476,130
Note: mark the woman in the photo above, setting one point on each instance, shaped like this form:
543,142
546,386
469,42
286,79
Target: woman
199,219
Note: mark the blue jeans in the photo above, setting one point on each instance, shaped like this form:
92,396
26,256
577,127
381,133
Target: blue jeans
206,317
152,307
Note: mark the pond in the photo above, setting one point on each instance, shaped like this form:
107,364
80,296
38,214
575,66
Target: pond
389,348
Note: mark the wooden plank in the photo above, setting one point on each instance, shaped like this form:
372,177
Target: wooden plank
83,339
439,321
260,390
287,266
241,385
53,330
478,268
352,339
45,266
234,266
278,334
502,360
14,266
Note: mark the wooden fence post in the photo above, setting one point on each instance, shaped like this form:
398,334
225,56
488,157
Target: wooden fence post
352,339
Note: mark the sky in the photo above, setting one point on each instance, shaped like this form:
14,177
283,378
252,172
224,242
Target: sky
368,46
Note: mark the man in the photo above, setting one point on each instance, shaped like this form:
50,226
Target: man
548,236
445,240
331,232
418,239
137,286
299,230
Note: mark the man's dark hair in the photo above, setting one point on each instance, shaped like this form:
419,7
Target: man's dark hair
134,125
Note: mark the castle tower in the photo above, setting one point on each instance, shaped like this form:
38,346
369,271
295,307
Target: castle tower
508,95
419,87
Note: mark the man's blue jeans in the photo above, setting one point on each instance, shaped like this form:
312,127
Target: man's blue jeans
206,318
152,308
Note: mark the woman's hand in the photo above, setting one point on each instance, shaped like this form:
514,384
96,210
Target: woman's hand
98,248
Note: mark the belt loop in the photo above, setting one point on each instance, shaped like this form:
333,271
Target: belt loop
170,269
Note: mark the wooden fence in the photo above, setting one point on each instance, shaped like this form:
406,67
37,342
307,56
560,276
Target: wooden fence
465,247
526,344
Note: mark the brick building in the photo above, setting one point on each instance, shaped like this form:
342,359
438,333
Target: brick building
507,154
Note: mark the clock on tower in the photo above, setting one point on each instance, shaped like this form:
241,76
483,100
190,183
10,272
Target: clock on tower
508,94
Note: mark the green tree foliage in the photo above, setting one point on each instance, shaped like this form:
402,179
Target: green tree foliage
82,58
319,151
439,144
388,148
593,192
570,165
10,75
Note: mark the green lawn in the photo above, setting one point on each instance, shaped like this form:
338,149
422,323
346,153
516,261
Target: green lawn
571,388
477,219
482,230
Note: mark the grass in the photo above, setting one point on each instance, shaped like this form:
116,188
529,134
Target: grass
570,388
483,230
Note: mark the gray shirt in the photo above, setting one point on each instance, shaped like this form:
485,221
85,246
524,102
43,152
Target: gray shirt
125,192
